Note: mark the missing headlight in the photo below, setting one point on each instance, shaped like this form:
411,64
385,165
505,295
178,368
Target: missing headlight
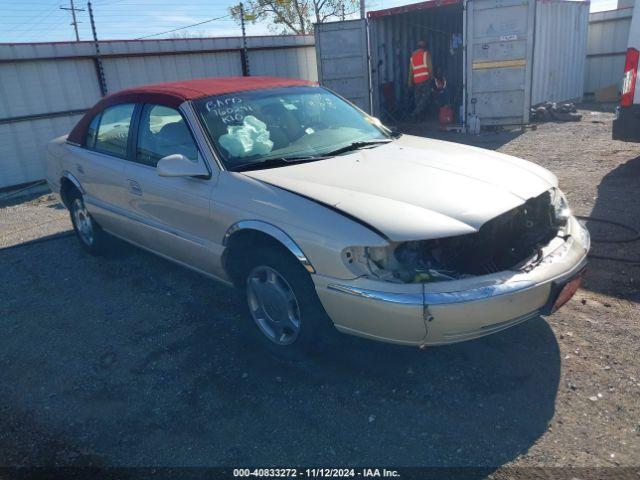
513,240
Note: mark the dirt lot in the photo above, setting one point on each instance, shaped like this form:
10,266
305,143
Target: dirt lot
132,361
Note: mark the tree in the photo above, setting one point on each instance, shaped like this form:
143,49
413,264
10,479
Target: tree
295,16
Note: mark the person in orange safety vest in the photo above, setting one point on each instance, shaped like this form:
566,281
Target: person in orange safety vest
420,78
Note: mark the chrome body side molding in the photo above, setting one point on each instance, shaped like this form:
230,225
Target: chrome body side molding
274,232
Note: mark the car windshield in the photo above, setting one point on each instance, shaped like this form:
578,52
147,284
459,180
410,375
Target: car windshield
252,128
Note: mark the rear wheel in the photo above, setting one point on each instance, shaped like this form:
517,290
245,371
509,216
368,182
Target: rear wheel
92,237
285,313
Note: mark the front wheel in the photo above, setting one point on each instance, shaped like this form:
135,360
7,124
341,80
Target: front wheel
287,316
91,236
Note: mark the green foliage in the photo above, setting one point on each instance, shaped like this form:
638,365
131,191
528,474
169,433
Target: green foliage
294,16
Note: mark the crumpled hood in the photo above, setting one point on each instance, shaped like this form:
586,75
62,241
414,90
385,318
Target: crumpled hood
416,188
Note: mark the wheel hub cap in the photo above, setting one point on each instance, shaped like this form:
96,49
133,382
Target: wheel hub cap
83,221
273,305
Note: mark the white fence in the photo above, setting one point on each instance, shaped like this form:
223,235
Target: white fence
45,87
606,48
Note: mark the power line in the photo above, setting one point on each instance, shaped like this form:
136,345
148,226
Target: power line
34,18
46,23
183,28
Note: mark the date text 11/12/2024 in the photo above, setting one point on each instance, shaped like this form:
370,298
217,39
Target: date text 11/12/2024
315,473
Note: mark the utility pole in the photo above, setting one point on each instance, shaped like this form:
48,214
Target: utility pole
342,11
73,11
98,59
361,8
244,54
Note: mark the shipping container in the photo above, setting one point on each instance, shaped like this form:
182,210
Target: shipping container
499,57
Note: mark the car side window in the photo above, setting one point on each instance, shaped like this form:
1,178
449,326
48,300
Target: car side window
163,132
90,139
113,132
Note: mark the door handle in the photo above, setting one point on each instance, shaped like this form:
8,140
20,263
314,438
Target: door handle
134,187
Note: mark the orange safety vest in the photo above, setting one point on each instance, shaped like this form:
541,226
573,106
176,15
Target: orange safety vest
419,67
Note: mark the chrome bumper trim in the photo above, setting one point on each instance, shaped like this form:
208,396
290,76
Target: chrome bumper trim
430,298
401,298
479,293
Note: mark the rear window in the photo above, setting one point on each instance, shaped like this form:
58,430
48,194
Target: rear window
90,139
113,133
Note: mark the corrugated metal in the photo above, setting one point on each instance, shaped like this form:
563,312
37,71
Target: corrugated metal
23,144
499,60
394,38
125,72
52,78
608,34
296,63
32,51
559,51
30,88
505,72
343,60
411,8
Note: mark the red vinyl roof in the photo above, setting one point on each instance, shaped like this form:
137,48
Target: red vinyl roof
173,94
203,87
411,8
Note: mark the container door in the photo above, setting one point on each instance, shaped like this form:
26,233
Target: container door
343,60
499,60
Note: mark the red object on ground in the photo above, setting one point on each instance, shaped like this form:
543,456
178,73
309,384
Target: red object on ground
446,115
173,94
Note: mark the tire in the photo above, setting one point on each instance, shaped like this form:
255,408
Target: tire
283,310
92,238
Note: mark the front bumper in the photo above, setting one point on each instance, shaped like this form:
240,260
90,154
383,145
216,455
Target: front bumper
626,126
454,311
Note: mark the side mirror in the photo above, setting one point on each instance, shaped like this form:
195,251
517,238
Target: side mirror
177,165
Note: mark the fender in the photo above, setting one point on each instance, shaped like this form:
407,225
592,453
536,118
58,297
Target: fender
69,176
272,231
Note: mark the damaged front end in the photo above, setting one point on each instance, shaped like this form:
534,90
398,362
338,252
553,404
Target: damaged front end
510,241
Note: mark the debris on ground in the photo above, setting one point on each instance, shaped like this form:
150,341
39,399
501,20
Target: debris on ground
555,112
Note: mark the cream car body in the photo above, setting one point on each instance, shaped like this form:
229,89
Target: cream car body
409,189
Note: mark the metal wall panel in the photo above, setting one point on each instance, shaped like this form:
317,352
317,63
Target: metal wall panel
608,34
20,51
127,72
294,63
499,63
23,147
343,60
560,48
39,87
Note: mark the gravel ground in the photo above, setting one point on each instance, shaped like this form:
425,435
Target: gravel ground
131,361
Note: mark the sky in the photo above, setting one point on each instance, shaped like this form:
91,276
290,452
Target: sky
44,21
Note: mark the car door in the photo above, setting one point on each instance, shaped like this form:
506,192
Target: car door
100,162
172,213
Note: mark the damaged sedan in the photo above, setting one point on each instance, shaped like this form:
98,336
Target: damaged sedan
319,214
